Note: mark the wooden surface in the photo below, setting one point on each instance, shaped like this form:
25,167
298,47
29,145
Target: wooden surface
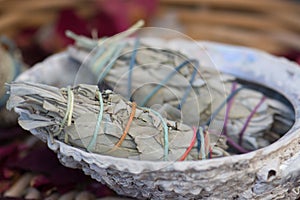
270,25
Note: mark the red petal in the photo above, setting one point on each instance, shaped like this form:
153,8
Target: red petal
39,181
4,185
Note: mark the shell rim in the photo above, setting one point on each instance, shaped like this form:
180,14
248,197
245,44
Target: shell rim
293,132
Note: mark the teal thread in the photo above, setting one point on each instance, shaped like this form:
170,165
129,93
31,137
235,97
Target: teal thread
93,140
97,67
166,132
202,143
158,87
111,63
131,65
189,88
98,52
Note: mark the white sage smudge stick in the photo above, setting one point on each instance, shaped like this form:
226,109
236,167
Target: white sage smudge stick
84,117
184,90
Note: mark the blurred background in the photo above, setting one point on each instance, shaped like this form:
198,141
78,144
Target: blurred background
27,168
38,27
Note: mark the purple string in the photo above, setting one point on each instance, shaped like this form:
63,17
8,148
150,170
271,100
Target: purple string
236,146
241,134
233,88
229,140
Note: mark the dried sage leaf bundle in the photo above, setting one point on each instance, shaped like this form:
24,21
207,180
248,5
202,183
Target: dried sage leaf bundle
186,91
84,117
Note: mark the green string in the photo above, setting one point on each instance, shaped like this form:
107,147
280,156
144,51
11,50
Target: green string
202,143
93,140
166,132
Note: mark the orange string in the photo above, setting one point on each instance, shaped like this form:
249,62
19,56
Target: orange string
186,153
132,114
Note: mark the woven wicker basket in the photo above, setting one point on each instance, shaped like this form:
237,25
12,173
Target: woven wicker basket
16,15
272,25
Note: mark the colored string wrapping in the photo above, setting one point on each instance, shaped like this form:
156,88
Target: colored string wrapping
216,112
229,100
202,147
186,153
104,59
98,52
198,141
111,63
163,82
228,108
206,144
230,141
99,119
166,132
68,115
236,146
132,114
241,134
188,90
131,65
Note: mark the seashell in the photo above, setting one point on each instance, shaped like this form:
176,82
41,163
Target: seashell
267,173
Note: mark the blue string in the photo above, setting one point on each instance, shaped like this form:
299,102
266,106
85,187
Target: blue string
216,112
188,90
112,62
131,65
158,87
94,139
198,141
